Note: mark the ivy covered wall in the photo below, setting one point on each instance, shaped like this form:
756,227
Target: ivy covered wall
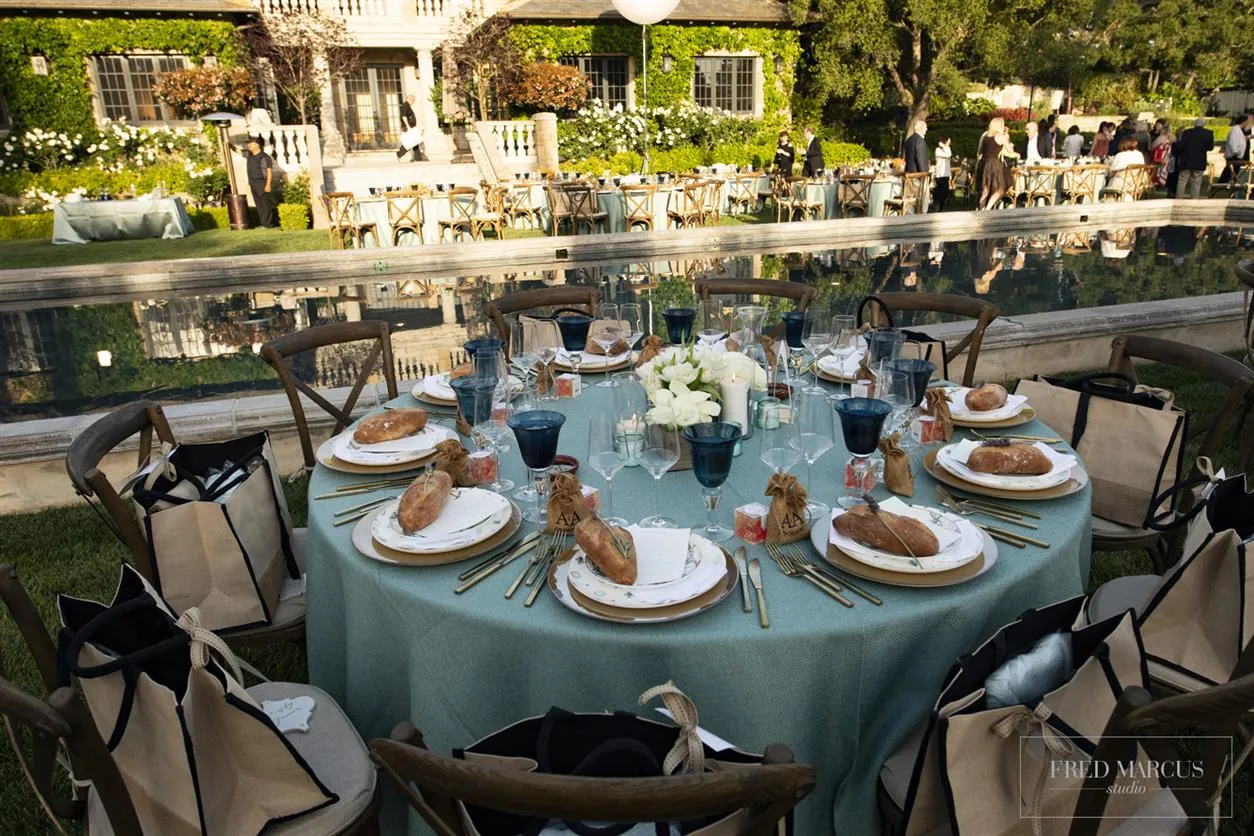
61,100
684,44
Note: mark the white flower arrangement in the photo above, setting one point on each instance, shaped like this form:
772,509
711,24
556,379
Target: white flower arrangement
683,383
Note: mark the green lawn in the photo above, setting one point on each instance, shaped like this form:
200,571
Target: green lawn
70,550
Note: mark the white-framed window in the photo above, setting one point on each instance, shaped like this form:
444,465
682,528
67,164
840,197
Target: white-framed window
124,85
608,74
727,82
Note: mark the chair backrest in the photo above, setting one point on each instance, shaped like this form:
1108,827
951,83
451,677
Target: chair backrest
494,198
559,205
37,728
914,189
341,209
1081,180
803,294
580,198
520,197
639,201
278,351
462,201
1039,181
780,188
712,197
588,298
947,303
797,188
1236,376
855,190
767,792
745,188
404,210
692,196
88,449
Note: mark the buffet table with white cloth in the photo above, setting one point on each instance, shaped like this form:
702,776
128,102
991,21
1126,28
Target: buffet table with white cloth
77,222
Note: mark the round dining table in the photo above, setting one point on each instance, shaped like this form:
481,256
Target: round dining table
843,688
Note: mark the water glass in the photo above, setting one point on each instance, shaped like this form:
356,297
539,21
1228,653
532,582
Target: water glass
679,324
629,314
607,458
712,329
883,344
861,420
490,364
537,432
813,434
658,454
492,412
712,447
897,389
574,330
776,450
469,391
605,332
920,371
522,356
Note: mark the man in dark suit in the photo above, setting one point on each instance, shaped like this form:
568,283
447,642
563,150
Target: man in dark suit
1191,150
916,149
814,155
409,121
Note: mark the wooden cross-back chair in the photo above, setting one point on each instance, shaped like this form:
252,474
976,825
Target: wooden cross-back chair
744,194
462,203
1040,185
801,294
583,209
278,351
405,215
945,303
912,200
434,783
1079,183
854,193
559,208
802,206
688,211
781,196
712,201
343,224
83,463
1131,183
1240,187
520,206
638,206
494,215
586,299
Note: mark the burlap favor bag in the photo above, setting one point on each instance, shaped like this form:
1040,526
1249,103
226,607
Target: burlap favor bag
544,378
452,458
936,405
786,519
652,348
566,505
897,475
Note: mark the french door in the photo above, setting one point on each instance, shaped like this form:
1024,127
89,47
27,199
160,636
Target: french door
372,106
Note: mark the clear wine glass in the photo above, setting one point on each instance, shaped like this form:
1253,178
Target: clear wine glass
846,347
606,457
522,356
816,336
712,329
494,428
813,430
605,332
630,314
776,451
659,452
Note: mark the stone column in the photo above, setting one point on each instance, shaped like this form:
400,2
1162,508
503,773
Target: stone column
546,141
333,148
448,305
427,118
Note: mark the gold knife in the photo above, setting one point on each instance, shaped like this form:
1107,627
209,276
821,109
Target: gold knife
743,569
544,572
488,571
755,574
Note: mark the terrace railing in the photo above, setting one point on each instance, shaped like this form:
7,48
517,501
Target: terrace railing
429,10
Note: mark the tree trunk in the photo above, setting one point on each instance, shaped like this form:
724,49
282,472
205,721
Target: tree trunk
919,112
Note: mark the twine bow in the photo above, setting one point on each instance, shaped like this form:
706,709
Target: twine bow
565,487
687,751
1056,745
782,484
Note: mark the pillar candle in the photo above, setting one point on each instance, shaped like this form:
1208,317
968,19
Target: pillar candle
734,394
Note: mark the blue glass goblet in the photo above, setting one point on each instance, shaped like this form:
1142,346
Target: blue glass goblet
713,445
679,324
468,390
574,330
883,344
861,420
471,346
536,432
794,325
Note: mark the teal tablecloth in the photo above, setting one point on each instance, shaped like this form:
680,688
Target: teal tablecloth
842,687
119,220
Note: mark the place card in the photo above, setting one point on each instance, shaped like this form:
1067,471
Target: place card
290,715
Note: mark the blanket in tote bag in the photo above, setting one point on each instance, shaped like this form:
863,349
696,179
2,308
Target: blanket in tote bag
219,534
197,754
986,771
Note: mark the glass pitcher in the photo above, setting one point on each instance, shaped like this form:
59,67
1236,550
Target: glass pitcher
749,320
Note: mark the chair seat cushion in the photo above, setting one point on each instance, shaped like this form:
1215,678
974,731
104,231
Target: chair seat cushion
292,609
895,773
1121,594
332,748
1110,530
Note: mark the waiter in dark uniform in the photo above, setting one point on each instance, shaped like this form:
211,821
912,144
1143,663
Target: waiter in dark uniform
261,181
813,165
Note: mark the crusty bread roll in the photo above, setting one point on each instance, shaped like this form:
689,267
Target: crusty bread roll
619,347
986,398
390,425
462,371
423,500
1009,460
862,525
616,560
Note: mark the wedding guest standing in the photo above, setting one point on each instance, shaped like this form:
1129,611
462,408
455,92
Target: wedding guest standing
260,167
1101,141
944,160
785,155
994,177
1195,143
814,155
1237,148
1160,151
1073,143
1032,148
916,149
1049,137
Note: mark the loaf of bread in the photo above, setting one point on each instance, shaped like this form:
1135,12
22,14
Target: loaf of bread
887,532
1009,460
463,370
610,549
986,398
390,425
423,500
619,347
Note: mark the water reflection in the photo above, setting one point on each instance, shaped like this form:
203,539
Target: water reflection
189,347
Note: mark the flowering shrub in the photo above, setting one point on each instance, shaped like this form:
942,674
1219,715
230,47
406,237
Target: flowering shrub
599,131
544,86
1010,114
196,91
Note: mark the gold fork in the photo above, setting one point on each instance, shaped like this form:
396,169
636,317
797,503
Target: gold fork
968,507
800,559
540,554
829,588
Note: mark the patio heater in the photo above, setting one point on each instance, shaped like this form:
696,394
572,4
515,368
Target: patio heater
236,203
645,12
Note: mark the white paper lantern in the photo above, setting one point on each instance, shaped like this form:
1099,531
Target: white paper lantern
645,12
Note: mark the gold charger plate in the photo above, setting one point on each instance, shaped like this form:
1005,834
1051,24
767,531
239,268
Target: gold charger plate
940,474
625,364
365,543
423,397
1025,415
674,612
831,378
328,459
963,573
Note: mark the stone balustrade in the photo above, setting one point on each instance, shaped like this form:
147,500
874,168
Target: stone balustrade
515,142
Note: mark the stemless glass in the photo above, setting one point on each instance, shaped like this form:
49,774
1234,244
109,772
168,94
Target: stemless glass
679,324
537,432
883,344
919,372
574,330
494,428
776,451
606,457
861,420
897,389
631,402
659,452
712,329
605,331
813,431
713,445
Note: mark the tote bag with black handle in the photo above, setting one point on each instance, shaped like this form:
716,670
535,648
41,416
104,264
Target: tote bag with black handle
917,345
219,534
198,755
608,745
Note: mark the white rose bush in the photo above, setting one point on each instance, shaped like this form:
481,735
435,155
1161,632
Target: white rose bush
683,383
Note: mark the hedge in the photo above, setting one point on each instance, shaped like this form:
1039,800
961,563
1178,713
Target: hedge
292,216
19,227
686,159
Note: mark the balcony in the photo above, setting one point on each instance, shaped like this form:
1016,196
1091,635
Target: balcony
388,23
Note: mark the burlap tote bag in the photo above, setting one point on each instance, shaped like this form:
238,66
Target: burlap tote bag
617,744
987,768
1131,443
197,753
218,531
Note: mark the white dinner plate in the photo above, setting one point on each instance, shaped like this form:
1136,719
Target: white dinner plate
958,407
960,541
398,451
953,458
470,516
704,567
593,362
818,539
437,387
